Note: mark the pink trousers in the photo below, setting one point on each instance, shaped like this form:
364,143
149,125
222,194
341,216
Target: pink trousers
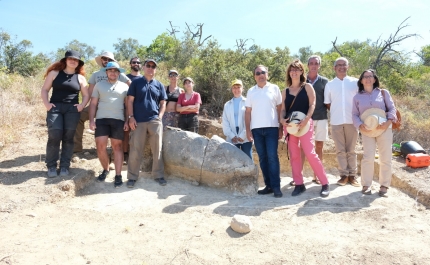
305,142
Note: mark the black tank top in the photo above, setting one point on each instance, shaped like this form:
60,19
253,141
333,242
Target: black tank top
65,89
172,96
301,104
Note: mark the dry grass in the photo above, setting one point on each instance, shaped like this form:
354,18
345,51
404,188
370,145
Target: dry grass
20,105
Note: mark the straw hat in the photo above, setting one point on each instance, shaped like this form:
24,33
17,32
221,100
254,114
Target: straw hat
293,127
372,118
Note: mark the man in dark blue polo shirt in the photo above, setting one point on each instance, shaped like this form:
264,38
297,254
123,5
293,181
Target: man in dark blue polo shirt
146,103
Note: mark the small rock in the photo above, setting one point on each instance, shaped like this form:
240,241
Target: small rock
241,224
87,153
195,183
75,159
1,144
88,262
31,215
111,166
83,159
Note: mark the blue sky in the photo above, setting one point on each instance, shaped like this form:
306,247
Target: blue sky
50,24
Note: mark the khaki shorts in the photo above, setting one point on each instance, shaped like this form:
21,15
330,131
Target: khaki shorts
320,130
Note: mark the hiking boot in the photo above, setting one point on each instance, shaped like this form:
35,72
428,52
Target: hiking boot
325,190
353,181
118,181
162,181
342,181
277,193
130,183
299,189
103,176
266,190
52,172
64,172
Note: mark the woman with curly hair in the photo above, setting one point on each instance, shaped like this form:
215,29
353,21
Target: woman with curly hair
66,78
298,105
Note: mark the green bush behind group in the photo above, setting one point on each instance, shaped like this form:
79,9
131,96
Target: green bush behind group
213,67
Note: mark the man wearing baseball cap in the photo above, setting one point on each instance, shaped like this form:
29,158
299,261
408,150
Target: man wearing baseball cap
107,106
146,103
102,60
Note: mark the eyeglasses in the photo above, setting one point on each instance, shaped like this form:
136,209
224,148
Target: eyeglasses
295,70
260,73
107,59
173,75
135,62
151,66
341,65
368,76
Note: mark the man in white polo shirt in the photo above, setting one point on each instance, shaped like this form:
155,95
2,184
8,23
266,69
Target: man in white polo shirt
263,106
338,96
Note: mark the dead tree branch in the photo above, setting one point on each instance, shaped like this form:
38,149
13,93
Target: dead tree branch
173,30
334,46
197,35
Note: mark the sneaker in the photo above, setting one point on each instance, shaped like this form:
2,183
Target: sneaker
342,181
277,193
64,172
325,190
118,181
162,181
299,189
266,190
353,181
52,172
130,183
103,176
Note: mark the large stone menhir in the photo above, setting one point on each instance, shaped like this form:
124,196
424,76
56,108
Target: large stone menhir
211,162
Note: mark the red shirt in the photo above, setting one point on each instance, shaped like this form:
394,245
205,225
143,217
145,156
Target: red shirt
195,98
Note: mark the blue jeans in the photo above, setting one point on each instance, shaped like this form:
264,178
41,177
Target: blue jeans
61,121
245,147
266,144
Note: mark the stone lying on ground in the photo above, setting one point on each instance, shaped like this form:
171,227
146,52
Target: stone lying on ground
211,162
241,224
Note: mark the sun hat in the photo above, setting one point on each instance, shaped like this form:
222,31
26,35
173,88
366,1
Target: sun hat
237,82
104,54
293,126
114,65
173,71
74,55
150,60
372,118
189,79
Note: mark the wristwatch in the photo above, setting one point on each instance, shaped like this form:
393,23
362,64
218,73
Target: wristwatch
130,116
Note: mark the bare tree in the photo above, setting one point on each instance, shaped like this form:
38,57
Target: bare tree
197,35
173,30
334,47
388,45
241,45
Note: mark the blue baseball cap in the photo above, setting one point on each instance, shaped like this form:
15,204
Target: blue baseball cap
114,65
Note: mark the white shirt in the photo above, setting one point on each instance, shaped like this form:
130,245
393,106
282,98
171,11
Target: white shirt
339,93
264,102
228,123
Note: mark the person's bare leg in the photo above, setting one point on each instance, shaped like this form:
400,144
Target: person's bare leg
118,155
101,143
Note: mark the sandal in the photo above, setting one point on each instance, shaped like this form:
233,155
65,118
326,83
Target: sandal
317,181
292,183
383,191
366,190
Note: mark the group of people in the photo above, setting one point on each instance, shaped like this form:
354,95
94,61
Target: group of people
131,109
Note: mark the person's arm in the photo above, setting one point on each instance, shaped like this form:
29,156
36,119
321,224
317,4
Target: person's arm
126,126
45,89
226,127
92,112
327,99
311,98
283,113
179,107
162,109
131,121
248,111
84,92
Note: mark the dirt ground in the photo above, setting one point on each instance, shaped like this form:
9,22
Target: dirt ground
51,221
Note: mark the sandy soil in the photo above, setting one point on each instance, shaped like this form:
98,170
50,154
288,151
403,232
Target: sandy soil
41,222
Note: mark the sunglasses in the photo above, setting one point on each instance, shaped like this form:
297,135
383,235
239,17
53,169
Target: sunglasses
260,73
151,66
107,59
135,62
173,75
